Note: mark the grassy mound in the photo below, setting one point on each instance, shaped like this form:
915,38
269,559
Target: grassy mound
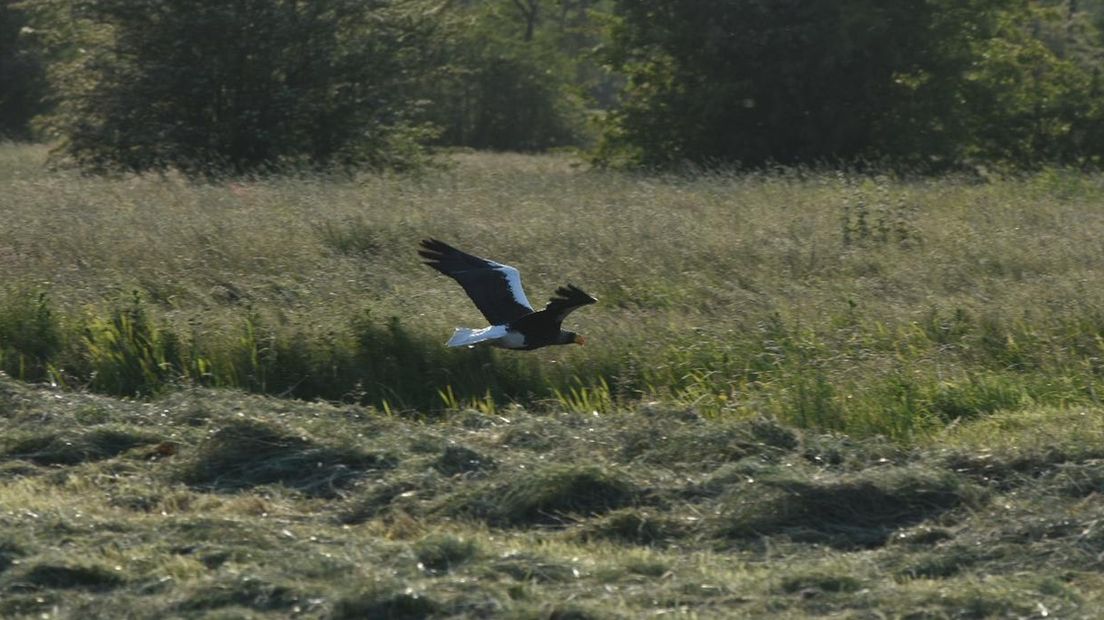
390,605
244,453
552,495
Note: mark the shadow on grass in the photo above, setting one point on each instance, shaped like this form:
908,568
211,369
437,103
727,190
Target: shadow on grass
382,604
127,348
376,501
73,447
247,592
632,526
74,577
847,513
245,453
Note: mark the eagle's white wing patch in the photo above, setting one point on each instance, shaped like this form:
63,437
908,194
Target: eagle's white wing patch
513,282
466,337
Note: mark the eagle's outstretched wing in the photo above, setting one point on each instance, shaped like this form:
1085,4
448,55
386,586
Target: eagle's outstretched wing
493,287
568,298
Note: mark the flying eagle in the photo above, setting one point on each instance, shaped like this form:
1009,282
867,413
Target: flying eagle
496,290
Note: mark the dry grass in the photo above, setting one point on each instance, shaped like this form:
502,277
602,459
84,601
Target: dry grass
578,516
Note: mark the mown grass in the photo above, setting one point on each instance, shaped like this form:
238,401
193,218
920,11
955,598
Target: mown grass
338,511
863,304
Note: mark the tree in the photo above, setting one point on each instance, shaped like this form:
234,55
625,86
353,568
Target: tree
1032,92
22,75
493,88
213,87
530,12
919,83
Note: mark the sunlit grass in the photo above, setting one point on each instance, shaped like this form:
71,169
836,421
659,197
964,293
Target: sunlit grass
834,301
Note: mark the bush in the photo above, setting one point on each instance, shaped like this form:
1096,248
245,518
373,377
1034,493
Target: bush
212,87
492,89
22,76
920,84
30,336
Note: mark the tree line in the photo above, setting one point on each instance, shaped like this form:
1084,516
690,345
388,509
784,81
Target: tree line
212,87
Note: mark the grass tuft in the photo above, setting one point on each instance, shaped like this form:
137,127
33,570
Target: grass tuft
30,335
245,592
556,494
385,604
528,567
9,552
809,583
632,526
438,554
458,460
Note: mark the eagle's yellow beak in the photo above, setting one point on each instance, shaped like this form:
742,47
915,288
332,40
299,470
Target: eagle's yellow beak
580,339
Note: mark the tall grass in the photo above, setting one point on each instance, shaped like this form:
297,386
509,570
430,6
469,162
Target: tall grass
833,301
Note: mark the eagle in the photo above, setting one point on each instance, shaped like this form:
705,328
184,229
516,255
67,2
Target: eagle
496,291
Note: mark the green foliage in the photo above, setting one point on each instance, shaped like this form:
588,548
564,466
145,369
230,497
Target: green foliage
583,398
493,89
269,85
1032,96
924,84
835,302
30,335
213,88
127,353
22,75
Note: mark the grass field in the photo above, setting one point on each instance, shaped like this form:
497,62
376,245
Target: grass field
803,394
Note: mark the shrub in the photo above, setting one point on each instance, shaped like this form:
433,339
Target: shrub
30,335
211,87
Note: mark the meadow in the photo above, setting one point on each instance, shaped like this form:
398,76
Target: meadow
804,393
